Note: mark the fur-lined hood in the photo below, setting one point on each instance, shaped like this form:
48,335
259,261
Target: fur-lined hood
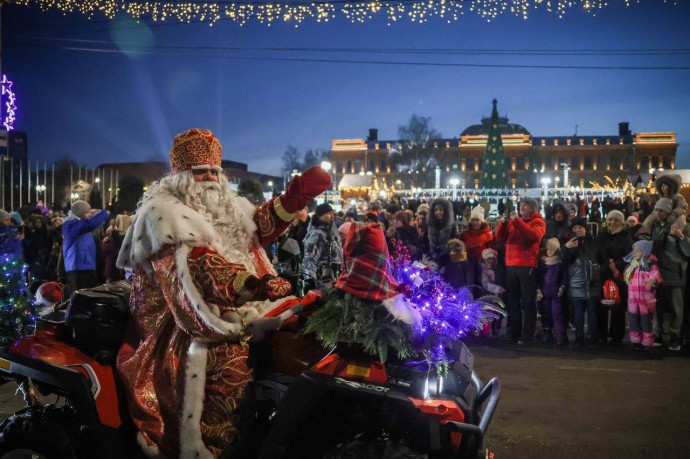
165,220
448,216
672,180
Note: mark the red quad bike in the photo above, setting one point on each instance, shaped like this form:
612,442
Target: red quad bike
306,401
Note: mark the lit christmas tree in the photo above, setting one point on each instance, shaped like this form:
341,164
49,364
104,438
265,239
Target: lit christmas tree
495,163
17,312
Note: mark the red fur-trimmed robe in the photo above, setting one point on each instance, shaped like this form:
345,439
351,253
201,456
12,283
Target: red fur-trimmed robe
184,362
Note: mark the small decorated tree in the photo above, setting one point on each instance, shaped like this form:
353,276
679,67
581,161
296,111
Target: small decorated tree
17,311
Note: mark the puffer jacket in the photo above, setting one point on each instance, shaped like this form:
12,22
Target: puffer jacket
583,270
476,241
78,246
638,294
322,250
522,238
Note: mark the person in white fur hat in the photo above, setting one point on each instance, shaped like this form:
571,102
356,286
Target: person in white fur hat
201,283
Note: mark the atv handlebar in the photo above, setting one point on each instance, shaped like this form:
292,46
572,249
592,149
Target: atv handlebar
492,392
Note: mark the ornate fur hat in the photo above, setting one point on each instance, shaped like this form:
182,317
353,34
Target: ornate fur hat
195,149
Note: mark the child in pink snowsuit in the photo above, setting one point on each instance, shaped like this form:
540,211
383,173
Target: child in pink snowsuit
642,276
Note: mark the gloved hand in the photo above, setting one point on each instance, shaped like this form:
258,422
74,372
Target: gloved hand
274,287
303,188
561,291
539,295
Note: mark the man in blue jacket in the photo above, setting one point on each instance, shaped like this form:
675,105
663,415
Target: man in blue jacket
79,247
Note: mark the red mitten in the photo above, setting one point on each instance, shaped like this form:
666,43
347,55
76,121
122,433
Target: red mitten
303,188
274,287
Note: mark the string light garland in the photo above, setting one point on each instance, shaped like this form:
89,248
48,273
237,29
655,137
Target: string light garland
17,309
8,106
416,11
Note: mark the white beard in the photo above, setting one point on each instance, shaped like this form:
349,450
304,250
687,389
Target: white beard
217,206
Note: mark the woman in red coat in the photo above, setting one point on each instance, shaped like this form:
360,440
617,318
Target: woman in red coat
477,238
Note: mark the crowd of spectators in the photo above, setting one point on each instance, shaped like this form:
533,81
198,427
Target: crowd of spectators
551,259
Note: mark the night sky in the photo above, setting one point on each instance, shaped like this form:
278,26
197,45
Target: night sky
111,91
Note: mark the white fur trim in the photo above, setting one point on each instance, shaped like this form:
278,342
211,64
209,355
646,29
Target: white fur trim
191,442
148,450
402,310
161,221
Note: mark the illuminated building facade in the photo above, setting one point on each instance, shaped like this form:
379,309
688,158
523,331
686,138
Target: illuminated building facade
530,158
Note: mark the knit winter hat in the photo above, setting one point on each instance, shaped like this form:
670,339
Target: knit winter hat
644,246
632,220
617,215
553,244
352,215
4,215
530,202
489,253
478,213
322,209
579,221
423,208
79,208
664,204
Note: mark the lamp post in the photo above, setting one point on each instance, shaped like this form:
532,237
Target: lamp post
454,183
545,183
566,168
40,190
326,165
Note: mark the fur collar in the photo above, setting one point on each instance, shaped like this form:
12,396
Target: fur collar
165,220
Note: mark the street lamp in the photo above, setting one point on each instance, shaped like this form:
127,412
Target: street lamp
545,182
454,183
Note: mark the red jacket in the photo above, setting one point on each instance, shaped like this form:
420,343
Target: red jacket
476,241
522,238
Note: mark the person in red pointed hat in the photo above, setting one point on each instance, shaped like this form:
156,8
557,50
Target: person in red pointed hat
201,284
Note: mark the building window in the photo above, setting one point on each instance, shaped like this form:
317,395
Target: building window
543,142
575,162
455,166
348,168
536,164
382,165
548,162
520,164
358,166
469,163
614,161
588,162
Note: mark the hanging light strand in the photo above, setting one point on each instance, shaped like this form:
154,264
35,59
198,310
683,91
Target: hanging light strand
416,11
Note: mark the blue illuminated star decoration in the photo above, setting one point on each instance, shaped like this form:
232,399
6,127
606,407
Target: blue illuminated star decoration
8,104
